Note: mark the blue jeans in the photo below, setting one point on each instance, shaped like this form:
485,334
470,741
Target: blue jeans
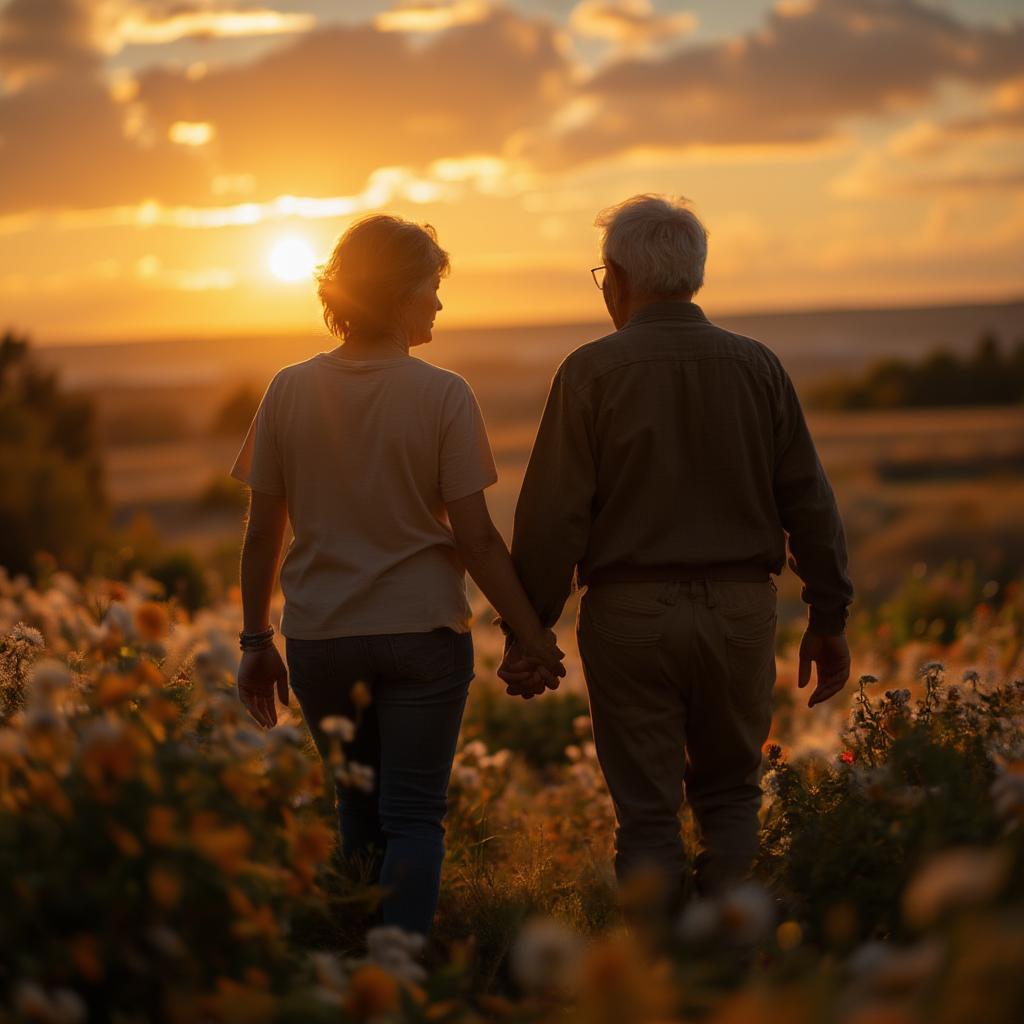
408,734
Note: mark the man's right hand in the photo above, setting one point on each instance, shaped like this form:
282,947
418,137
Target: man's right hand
831,654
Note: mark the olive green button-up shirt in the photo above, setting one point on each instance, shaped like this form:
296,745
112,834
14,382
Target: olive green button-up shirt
676,443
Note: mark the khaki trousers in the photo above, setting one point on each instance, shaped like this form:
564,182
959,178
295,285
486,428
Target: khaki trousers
680,676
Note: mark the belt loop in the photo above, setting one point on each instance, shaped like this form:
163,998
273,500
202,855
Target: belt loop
709,597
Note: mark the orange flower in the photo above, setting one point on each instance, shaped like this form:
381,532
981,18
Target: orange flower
114,688
224,845
165,886
85,952
161,826
152,621
360,694
371,992
235,1003
125,841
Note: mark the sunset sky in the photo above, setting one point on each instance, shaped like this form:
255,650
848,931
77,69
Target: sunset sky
174,168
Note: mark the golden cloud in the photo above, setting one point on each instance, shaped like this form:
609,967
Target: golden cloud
431,15
632,24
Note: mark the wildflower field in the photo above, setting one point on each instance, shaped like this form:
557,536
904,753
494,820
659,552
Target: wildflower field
162,858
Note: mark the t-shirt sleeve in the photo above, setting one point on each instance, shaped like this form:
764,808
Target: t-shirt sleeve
466,463
259,462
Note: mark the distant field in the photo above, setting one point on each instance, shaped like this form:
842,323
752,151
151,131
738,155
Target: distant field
915,487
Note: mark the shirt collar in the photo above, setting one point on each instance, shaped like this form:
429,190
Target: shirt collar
668,311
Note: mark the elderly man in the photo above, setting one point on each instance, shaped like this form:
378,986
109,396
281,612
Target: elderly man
671,464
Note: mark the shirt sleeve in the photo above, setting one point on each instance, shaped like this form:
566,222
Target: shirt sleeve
552,520
809,515
259,463
466,463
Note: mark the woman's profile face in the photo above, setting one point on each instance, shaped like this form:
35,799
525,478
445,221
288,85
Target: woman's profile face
420,311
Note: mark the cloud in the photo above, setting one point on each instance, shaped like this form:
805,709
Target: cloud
431,15
811,66
315,116
318,115
64,142
633,25
143,26
41,37
1002,119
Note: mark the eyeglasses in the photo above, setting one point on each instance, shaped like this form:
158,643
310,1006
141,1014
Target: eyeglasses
597,273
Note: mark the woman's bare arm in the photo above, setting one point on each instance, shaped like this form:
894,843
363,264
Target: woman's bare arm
486,558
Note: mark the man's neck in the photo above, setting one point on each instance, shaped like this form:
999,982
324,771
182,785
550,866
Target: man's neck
641,302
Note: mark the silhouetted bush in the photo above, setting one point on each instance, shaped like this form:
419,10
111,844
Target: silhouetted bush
987,377
183,578
52,497
235,414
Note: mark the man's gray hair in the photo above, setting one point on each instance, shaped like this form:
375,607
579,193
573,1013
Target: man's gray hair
658,241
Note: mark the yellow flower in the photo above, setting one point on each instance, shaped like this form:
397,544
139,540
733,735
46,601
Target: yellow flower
371,992
360,694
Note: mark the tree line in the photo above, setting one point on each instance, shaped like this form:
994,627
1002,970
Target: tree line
989,375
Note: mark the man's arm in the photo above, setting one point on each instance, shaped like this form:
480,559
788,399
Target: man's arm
552,518
809,515
817,543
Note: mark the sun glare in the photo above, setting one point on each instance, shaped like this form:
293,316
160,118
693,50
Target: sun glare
292,259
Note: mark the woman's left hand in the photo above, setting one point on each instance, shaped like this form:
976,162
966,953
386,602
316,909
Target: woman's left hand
259,673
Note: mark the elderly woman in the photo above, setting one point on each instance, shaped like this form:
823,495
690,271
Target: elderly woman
379,461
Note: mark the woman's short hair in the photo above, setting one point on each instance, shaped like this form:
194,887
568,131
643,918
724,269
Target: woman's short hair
658,241
374,268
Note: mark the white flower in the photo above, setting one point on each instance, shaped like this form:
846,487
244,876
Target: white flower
62,1007
497,760
468,778
339,727
329,971
395,951
48,677
545,956
880,968
474,750
361,776
1007,794
120,618
699,921
748,912
28,635
962,877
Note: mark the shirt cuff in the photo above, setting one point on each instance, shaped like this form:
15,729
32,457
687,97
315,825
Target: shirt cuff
827,622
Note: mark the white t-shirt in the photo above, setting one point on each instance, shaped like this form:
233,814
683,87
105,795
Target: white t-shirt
366,454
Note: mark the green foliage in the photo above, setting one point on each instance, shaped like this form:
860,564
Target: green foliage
540,733
52,498
183,577
912,780
988,377
223,494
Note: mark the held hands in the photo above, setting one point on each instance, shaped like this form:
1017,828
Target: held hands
258,675
832,656
532,665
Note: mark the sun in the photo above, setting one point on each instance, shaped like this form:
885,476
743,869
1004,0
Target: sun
292,259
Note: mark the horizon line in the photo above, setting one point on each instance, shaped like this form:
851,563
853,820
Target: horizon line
491,325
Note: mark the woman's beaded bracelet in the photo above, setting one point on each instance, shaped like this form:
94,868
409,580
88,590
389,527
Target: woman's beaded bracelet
256,641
